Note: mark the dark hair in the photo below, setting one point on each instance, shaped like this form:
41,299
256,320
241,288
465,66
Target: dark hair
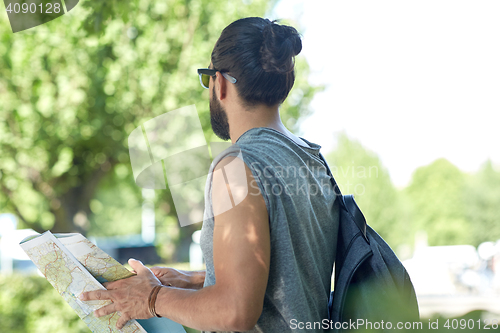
260,55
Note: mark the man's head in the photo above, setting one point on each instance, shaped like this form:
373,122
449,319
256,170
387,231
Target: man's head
260,55
257,57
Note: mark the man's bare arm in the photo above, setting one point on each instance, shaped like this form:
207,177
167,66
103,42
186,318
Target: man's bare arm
241,249
241,255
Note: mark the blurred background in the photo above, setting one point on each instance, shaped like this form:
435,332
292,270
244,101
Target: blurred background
402,97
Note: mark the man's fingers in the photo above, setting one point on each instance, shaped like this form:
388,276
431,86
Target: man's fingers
112,284
156,270
95,295
122,321
137,266
105,310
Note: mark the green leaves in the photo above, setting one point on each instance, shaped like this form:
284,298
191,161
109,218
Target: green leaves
30,304
73,89
482,195
360,172
451,206
63,163
437,196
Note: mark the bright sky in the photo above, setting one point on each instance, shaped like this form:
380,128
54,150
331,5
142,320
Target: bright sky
413,81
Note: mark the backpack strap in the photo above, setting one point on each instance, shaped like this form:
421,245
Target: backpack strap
348,203
334,183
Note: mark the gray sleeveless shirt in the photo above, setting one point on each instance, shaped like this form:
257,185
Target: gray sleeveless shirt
303,221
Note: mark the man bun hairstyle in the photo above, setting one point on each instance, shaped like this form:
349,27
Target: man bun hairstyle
259,53
281,44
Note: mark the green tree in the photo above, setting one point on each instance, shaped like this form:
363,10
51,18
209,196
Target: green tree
73,89
482,197
436,196
31,304
360,172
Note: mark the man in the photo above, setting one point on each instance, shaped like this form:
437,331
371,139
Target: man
269,233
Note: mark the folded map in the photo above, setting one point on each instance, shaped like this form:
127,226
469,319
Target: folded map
73,265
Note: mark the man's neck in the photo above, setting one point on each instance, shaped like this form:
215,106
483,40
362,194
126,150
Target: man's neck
241,120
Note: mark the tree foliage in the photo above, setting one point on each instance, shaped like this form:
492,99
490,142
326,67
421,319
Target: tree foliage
437,197
31,304
451,206
360,172
72,90
482,209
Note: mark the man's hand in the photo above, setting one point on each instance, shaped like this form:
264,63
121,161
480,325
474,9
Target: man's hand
129,296
179,278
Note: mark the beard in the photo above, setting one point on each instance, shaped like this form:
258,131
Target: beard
218,118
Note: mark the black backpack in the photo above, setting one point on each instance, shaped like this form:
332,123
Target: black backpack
371,283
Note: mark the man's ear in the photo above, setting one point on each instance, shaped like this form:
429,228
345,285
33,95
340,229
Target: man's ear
220,87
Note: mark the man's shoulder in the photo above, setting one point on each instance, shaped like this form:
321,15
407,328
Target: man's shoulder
266,138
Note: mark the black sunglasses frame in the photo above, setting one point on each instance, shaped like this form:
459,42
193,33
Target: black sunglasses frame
212,72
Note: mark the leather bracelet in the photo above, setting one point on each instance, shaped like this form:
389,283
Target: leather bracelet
152,300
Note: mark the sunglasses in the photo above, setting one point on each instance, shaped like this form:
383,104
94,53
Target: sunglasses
206,73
